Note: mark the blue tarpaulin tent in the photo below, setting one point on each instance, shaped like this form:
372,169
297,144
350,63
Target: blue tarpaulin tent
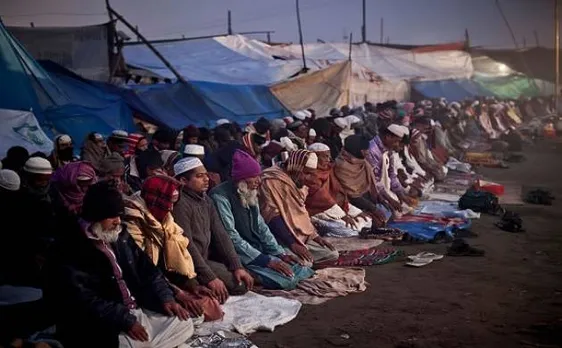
200,103
450,89
61,101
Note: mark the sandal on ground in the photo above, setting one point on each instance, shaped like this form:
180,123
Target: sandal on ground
424,255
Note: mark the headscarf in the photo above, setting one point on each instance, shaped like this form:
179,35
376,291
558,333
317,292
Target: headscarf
168,157
93,152
157,192
65,182
133,139
111,164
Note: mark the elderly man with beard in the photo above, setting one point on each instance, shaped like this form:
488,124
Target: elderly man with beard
107,291
217,265
282,204
238,206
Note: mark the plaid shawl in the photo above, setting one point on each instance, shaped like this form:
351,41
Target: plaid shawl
157,192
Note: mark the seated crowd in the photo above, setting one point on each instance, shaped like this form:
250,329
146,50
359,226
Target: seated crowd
141,237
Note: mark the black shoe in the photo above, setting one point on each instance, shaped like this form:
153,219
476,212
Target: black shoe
461,248
511,222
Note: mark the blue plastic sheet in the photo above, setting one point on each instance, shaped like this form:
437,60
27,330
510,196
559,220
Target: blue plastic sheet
450,89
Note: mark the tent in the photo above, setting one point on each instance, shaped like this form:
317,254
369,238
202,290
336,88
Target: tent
320,90
450,89
62,102
514,86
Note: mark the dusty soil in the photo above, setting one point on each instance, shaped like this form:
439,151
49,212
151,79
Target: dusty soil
512,297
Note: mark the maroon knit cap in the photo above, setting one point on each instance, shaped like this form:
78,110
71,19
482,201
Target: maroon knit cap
244,166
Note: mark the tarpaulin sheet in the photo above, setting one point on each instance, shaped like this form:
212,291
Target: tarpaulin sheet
20,128
511,87
24,85
202,103
91,109
209,60
450,89
320,90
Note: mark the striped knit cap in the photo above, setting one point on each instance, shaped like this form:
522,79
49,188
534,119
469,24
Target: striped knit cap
297,161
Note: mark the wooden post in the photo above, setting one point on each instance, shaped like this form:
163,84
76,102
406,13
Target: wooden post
382,30
148,44
350,45
229,23
557,50
364,26
507,24
300,35
537,43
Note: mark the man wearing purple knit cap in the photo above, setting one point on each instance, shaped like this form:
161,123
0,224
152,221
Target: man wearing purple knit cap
237,203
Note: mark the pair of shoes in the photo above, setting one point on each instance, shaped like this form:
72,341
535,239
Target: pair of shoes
423,259
539,196
511,222
462,248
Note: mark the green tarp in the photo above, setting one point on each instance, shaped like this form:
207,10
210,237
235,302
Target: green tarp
509,87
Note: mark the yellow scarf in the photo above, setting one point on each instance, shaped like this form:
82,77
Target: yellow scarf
157,238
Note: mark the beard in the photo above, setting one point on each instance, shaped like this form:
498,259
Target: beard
107,236
66,154
248,198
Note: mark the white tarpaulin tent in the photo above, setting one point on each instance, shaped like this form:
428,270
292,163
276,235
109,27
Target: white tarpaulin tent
21,128
240,60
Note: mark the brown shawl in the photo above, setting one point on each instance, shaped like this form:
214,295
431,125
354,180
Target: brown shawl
279,196
355,175
325,191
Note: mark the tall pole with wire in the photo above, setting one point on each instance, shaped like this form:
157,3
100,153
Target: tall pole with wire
364,26
557,49
300,34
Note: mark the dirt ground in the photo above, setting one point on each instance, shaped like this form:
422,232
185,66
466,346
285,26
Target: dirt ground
512,297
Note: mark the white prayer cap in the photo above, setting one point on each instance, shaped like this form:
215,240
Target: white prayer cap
454,105
432,122
194,150
318,147
312,161
119,133
341,122
186,164
311,132
38,165
64,139
288,119
9,180
222,121
288,144
351,119
398,130
98,136
301,115
512,103
475,103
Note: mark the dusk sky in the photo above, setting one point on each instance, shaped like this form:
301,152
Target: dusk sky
405,21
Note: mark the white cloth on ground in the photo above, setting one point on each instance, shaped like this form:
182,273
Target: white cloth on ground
163,332
252,312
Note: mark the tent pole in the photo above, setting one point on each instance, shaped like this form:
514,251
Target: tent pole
148,44
557,49
364,26
300,35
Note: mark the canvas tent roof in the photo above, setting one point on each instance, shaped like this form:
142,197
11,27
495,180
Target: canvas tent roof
450,89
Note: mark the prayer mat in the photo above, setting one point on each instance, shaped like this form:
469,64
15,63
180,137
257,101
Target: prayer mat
365,257
353,243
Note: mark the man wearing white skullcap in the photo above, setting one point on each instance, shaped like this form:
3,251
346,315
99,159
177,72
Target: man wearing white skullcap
193,150
327,202
301,115
281,195
9,180
196,214
63,152
222,121
388,185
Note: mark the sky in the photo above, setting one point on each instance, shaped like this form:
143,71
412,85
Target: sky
405,21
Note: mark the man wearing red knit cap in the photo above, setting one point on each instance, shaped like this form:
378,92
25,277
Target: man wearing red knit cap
238,206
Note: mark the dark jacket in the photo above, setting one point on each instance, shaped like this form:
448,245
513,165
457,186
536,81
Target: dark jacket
82,287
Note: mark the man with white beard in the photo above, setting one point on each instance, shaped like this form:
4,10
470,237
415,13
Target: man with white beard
238,206
107,292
